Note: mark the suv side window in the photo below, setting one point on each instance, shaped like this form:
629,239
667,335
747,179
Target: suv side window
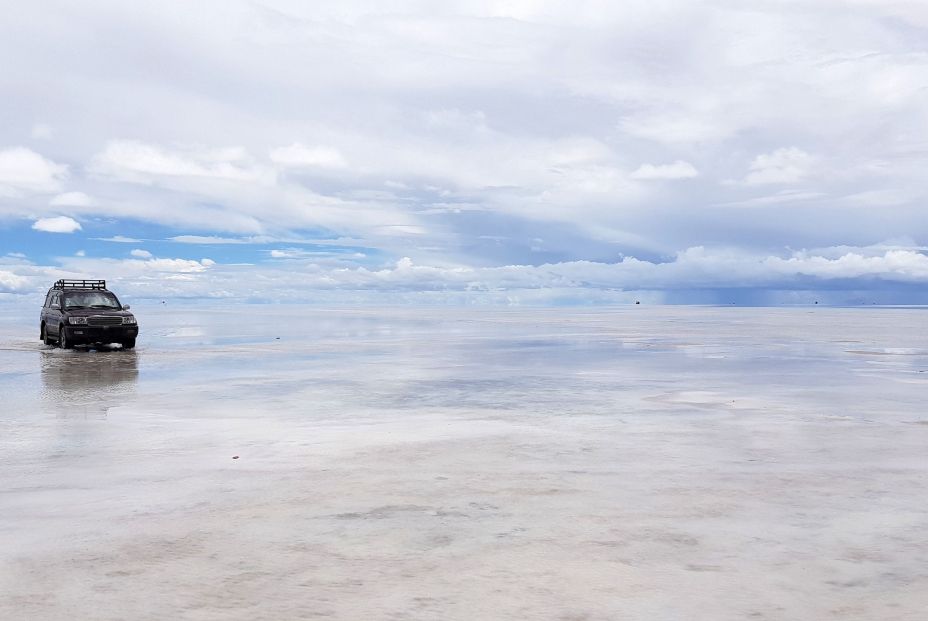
48,299
56,297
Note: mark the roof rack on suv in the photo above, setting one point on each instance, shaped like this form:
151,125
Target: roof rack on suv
79,284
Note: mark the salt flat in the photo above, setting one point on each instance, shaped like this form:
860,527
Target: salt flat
574,464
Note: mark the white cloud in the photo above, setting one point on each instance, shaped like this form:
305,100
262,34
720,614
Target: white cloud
299,253
57,224
786,165
207,239
12,283
291,253
142,271
140,162
24,170
141,254
676,170
119,239
299,156
176,265
71,199
226,190
80,253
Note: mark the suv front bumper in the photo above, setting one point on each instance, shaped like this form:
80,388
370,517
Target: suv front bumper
100,334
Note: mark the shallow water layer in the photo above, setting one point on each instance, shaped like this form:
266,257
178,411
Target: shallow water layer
274,463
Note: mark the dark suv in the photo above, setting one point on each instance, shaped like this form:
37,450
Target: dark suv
84,312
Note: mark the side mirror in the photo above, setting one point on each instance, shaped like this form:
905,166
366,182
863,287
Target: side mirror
125,307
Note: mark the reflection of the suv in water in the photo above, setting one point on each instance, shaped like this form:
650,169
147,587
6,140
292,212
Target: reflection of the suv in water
88,382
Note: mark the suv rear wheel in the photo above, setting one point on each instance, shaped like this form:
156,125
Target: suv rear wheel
43,336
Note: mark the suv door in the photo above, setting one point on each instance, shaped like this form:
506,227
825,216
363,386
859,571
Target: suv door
53,314
48,300
43,314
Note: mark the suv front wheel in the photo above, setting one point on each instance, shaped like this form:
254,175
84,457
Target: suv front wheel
63,342
128,344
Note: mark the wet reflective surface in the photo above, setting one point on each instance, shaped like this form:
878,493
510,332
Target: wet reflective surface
636,463
75,383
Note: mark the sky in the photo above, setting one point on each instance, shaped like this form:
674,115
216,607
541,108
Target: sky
514,152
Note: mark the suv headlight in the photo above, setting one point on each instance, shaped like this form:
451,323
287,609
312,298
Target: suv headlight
77,320
128,320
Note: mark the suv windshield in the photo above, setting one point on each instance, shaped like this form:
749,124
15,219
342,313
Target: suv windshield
90,299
